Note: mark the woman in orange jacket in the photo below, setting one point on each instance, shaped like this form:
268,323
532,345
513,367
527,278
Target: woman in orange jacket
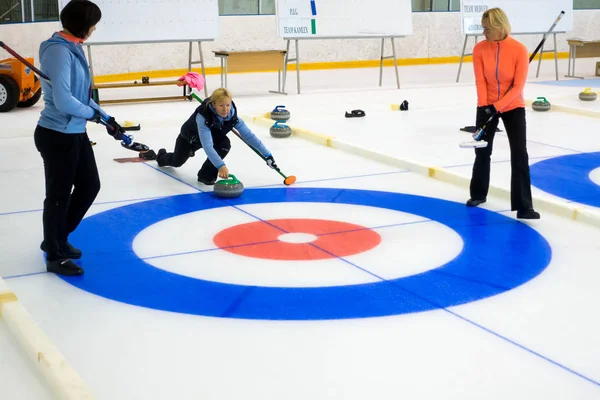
501,64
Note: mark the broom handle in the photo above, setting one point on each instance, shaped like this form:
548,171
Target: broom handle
24,61
44,76
546,35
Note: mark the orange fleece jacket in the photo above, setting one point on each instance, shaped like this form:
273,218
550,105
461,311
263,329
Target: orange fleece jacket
498,65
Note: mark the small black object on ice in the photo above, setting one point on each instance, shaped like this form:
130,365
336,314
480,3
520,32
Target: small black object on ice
355,114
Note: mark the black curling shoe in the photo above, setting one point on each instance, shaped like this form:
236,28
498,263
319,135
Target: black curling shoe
474,203
208,182
64,266
528,214
66,249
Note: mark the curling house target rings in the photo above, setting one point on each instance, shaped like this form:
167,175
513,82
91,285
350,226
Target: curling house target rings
481,270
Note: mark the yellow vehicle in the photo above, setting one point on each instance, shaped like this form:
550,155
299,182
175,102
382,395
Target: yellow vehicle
19,87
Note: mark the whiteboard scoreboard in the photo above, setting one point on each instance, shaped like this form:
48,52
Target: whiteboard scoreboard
343,18
155,21
525,16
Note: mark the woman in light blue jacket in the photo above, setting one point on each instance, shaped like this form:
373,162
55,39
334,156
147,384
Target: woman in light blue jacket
61,137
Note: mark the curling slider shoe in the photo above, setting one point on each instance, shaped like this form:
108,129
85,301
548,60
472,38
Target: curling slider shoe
474,144
148,155
355,114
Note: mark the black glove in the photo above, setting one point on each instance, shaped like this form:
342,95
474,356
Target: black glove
96,117
484,113
114,129
483,116
271,162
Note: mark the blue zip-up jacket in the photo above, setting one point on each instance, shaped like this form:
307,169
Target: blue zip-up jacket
68,102
207,140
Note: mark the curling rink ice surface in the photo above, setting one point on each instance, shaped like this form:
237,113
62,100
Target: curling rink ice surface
366,279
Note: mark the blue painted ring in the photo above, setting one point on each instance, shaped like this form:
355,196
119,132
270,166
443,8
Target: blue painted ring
499,254
569,177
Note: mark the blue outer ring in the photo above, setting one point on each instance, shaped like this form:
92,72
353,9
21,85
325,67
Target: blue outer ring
481,270
569,177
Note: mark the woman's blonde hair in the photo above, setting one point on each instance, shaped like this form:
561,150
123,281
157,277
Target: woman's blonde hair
219,94
497,19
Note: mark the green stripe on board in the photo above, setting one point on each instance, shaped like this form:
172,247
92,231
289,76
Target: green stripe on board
313,23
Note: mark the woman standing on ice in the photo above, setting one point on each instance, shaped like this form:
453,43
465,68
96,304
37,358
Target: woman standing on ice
61,138
500,62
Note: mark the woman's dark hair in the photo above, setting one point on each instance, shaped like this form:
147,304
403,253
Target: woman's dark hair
78,16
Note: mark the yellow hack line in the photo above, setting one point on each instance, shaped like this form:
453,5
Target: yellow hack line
546,204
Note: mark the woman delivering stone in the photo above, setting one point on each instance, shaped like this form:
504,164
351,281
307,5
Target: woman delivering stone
207,129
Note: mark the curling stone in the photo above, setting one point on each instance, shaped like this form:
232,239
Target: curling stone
588,95
280,130
279,113
541,104
229,187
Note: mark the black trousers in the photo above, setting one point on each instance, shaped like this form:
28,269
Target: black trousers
72,184
184,150
520,182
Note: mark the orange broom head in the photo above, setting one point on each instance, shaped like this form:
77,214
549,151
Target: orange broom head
290,180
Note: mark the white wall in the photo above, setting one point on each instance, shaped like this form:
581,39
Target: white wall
435,35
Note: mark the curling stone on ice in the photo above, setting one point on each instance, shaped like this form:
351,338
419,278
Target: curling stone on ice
541,104
280,130
229,187
588,95
279,113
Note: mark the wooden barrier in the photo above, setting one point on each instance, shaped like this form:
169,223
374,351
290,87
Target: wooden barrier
97,86
579,48
251,61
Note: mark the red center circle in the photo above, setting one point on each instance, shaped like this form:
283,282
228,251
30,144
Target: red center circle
260,239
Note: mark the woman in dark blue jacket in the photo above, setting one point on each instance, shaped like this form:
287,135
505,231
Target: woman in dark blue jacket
207,129
61,137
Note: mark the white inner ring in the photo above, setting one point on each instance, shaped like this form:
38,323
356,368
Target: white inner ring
410,244
594,176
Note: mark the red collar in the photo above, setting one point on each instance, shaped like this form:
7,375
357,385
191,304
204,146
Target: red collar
71,38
